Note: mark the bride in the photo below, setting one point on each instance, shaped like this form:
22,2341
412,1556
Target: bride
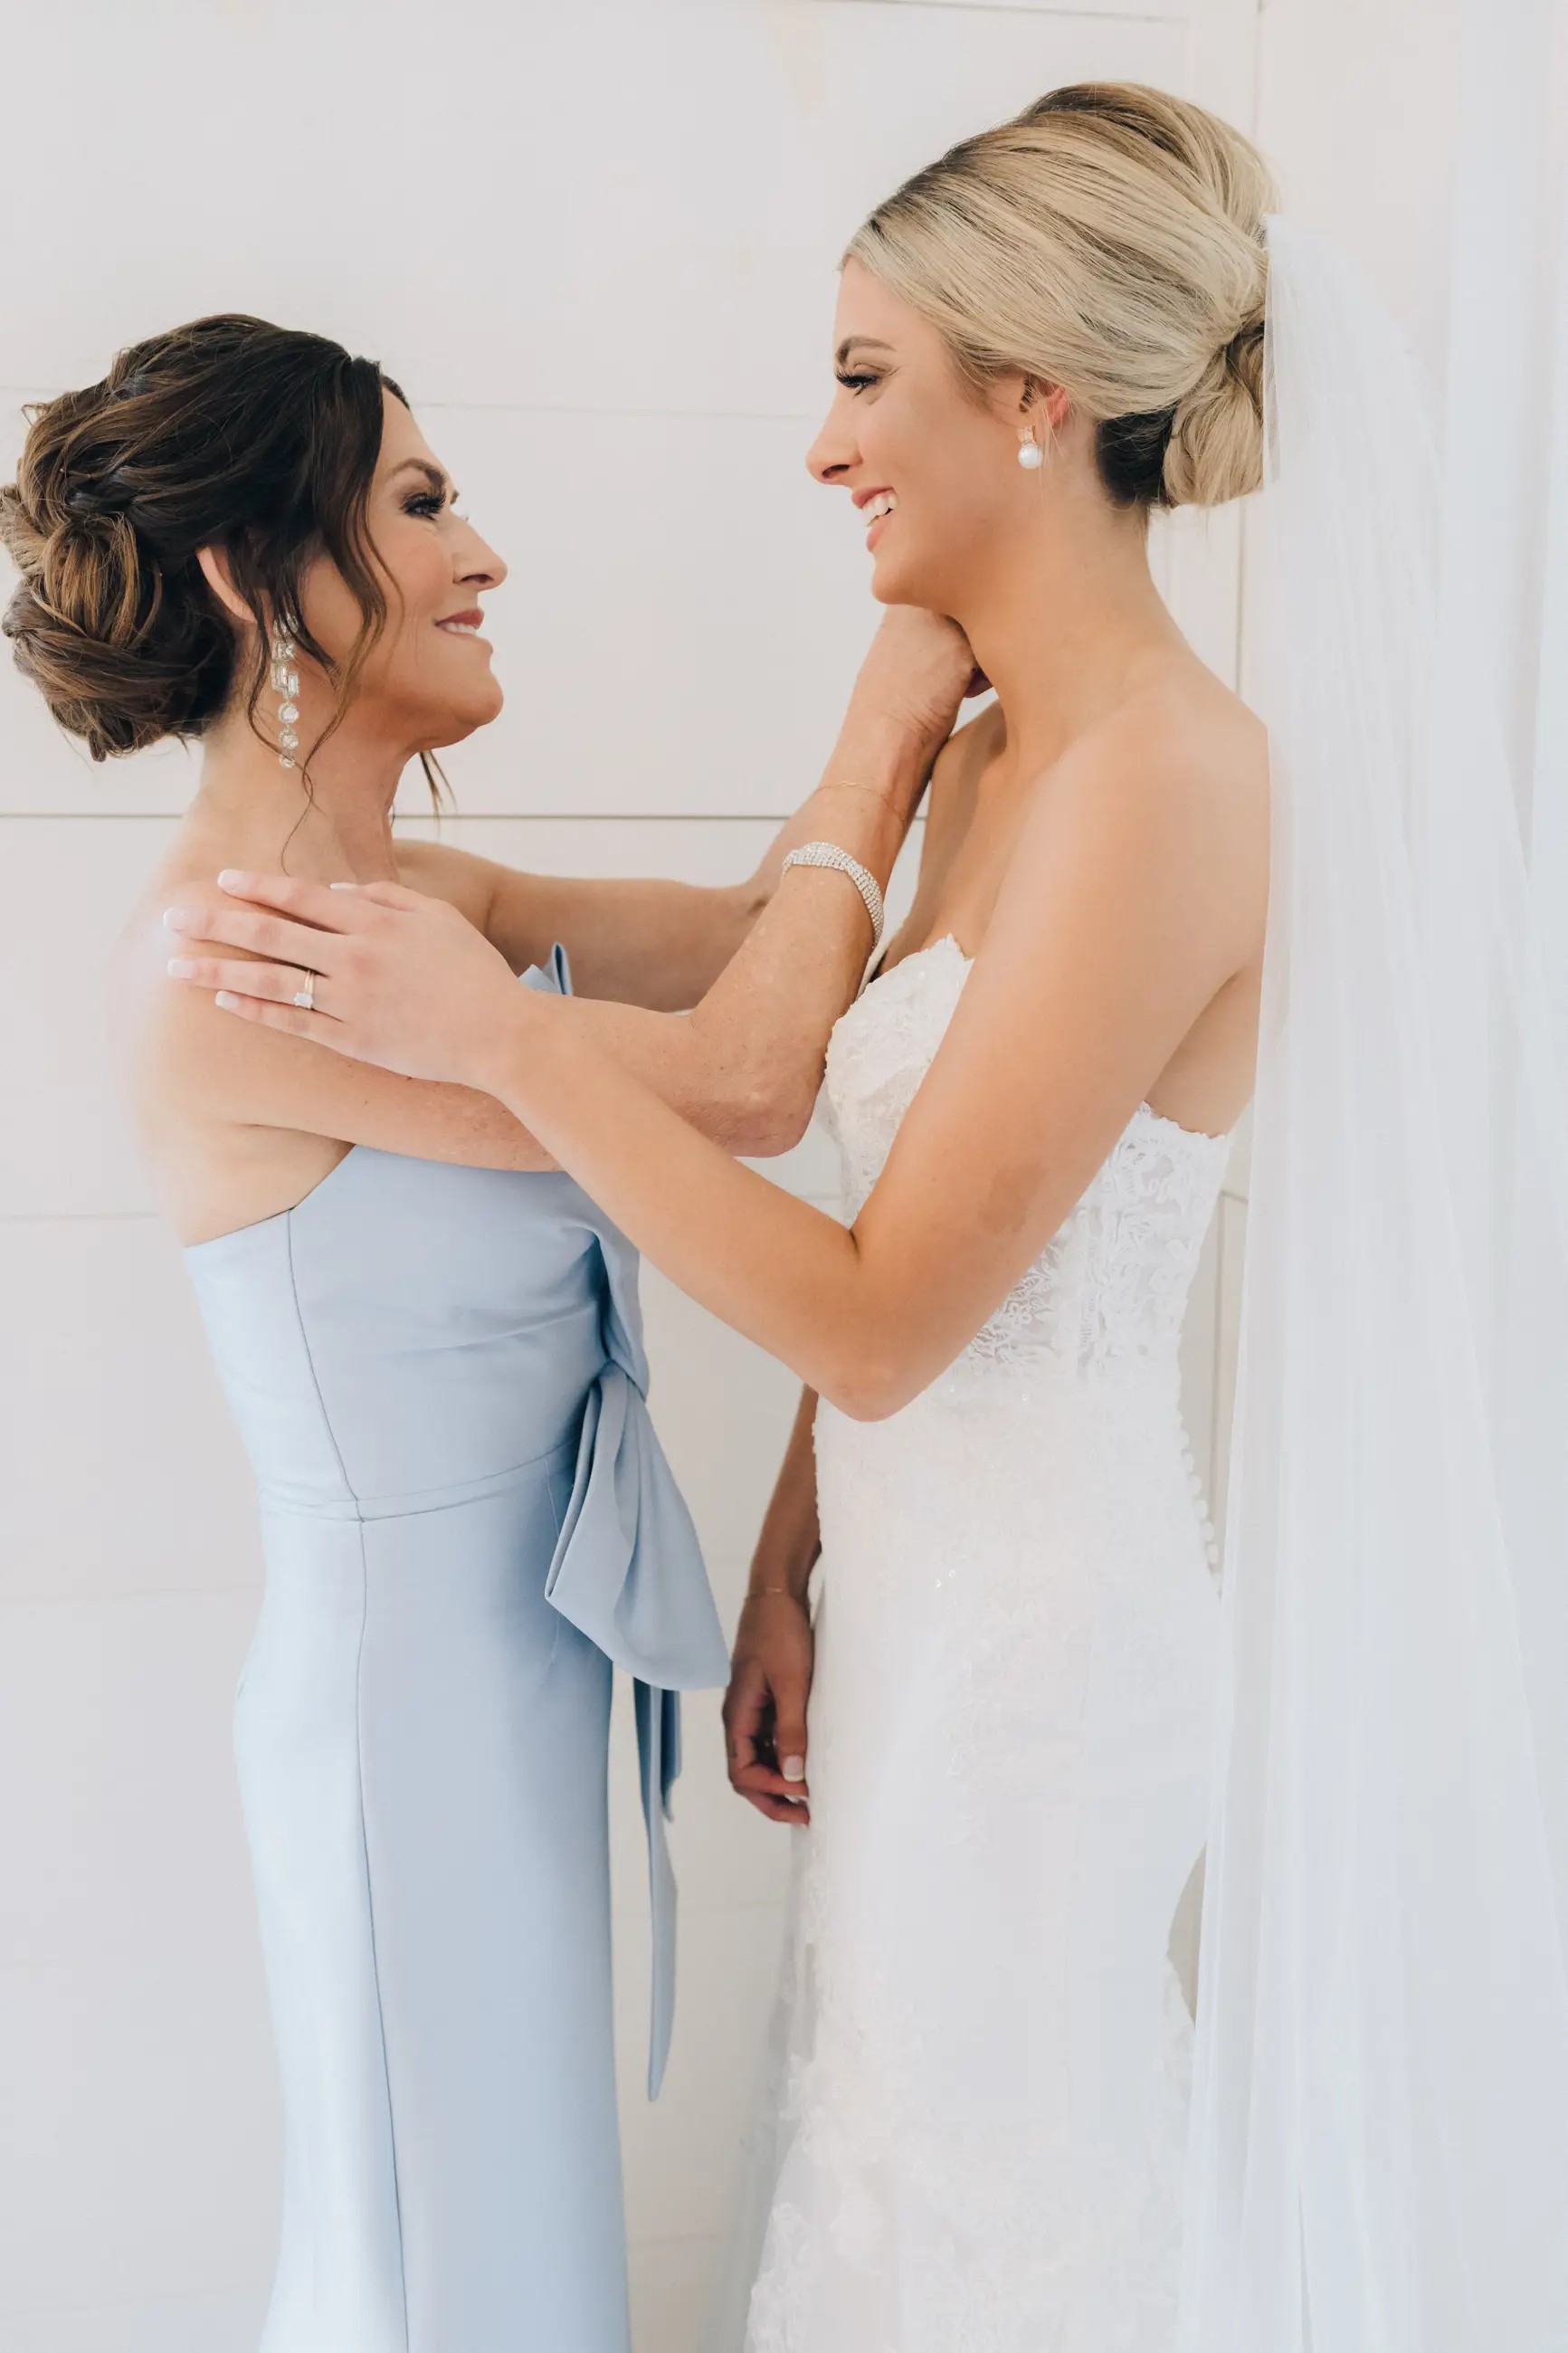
1048,332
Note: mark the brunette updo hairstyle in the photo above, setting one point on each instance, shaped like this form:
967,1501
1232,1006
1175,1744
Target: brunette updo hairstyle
227,433
1109,239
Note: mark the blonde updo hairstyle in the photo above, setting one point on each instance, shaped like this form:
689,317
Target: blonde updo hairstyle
1109,239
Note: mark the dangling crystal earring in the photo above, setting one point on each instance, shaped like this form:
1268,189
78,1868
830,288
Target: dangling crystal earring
1030,453
286,682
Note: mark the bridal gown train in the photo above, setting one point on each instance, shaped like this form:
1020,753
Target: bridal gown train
979,2102
440,1376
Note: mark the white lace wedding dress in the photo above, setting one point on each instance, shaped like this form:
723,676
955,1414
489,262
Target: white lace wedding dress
978,2110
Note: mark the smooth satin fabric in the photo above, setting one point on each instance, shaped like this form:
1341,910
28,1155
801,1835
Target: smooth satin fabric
439,1373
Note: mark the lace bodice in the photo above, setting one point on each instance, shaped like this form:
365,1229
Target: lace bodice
1109,1290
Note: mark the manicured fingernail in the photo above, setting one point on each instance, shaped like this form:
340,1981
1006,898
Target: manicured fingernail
794,1769
227,998
180,968
230,879
343,886
175,918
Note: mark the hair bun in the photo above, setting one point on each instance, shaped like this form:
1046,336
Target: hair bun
92,576
96,499
1109,240
84,623
120,663
1216,449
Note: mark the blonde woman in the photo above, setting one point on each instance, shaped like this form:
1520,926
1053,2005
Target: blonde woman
1049,331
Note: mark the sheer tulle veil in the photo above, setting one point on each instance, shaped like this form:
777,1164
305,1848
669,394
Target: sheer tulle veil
1379,2152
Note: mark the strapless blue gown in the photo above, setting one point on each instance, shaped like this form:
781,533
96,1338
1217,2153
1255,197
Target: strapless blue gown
439,1373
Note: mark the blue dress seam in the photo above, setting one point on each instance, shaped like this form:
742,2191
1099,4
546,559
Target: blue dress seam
359,1763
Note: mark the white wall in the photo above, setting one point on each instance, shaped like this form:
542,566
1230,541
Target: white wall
596,242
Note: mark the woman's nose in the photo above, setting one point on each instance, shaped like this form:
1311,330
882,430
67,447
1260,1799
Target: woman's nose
832,453
479,565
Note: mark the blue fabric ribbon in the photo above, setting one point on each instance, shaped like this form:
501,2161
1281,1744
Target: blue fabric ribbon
627,1572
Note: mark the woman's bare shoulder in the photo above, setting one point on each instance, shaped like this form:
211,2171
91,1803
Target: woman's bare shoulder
180,1055
1166,793
1182,721
138,981
238,1121
164,1022
1179,759
466,882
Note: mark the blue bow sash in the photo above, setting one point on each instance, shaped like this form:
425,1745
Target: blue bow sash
627,1572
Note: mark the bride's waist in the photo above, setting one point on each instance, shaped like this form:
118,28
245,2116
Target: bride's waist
1133,1382
1002,1465
979,1407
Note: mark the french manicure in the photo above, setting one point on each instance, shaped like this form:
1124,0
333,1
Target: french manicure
230,879
177,919
794,1769
180,968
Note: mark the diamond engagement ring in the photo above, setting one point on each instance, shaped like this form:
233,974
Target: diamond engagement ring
305,998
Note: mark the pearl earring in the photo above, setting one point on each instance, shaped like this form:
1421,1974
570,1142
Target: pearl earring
1030,453
286,683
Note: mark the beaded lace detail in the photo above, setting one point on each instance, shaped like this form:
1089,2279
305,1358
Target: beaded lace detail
1112,1285
973,2141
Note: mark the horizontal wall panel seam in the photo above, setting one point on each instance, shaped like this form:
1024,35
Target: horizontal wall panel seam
662,414
90,1596
1158,16
79,1217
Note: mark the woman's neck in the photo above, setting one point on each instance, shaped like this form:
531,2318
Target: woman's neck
336,827
1063,625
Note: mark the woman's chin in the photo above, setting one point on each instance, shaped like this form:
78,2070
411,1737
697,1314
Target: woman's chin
475,712
893,582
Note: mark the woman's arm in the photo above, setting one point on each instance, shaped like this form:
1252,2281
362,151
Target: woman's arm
770,1675
649,942
634,940
1136,893
744,1066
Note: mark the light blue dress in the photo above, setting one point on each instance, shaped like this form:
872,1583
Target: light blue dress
439,1373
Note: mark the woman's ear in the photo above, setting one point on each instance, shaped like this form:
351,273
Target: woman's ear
1043,404
219,578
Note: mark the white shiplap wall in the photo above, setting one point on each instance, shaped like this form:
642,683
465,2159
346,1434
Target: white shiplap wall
596,242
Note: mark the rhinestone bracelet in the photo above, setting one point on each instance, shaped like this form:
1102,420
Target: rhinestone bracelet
827,853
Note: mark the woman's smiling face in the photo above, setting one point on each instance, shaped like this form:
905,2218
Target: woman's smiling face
427,680
931,463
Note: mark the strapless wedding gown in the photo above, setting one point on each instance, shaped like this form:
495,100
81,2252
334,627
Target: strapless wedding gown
979,2110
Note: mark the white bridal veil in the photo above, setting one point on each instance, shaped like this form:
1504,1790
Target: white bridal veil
1379,2125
